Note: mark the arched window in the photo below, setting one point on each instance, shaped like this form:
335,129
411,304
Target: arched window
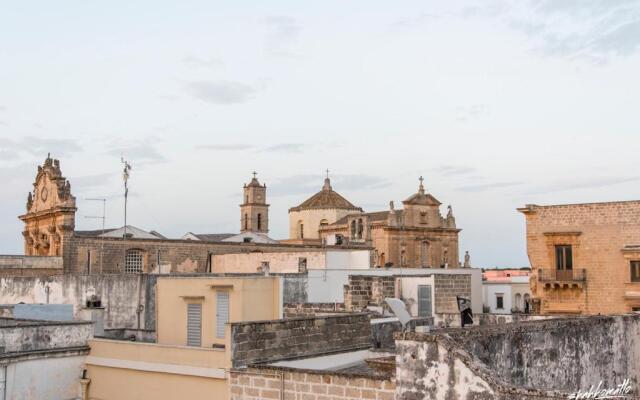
246,221
259,221
300,230
323,223
360,228
353,229
133,261
518,305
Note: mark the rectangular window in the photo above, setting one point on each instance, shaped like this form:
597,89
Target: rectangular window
194,324
302,264
222,312
424,301
635,271
499,301
564,257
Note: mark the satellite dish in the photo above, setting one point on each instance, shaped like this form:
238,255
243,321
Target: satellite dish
399,310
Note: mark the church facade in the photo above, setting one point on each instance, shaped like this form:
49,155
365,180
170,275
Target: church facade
416,236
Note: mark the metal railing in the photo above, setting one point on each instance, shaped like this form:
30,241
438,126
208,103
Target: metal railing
563,275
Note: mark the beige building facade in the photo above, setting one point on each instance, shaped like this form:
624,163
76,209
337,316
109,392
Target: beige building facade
417,236
585,258
193,349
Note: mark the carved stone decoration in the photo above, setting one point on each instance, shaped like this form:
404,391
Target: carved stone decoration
50,217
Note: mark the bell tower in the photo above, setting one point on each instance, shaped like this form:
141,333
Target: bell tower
254,211
50,218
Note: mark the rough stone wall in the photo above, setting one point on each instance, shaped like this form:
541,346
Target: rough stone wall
363,290
295,288
446,288
558,354
160,255
294,310
121,295
25,335
14,265
597,232
433,368
262,341
262,383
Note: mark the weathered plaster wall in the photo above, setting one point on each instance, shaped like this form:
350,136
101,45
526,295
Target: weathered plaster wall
44,378
544,359
25,335
559,354
121,295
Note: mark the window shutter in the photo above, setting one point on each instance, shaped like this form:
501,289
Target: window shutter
222,312
194,324
424,301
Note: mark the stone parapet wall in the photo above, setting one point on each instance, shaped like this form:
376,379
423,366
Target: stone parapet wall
20,335
17,265
294,310
266,383
264,341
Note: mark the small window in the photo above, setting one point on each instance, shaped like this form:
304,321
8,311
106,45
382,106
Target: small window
194,324
499,301
564,257
302,264
259,221
133,262
246,240
246,221
635,271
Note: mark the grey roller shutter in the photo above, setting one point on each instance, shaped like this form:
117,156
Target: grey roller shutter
424,301
222,312
194,324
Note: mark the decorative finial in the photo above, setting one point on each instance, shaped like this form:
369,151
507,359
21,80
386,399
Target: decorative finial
421,188
254,174
327,182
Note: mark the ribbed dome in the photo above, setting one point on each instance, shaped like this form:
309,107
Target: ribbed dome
326,199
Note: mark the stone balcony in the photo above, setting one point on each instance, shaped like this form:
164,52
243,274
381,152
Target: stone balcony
552,278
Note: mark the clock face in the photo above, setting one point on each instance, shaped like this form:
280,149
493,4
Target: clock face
259,197
44,193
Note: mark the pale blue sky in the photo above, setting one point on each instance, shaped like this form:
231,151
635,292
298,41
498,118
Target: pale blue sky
497,106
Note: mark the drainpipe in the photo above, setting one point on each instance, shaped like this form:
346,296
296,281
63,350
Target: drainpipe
3,381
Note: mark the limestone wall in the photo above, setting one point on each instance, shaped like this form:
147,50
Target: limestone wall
17,265
264,383
262,341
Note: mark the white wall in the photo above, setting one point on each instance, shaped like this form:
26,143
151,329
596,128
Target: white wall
45,378
490,291
409,293
348,259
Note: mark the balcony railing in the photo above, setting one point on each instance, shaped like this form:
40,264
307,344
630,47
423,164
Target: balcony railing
563,275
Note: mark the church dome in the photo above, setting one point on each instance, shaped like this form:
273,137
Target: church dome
326,199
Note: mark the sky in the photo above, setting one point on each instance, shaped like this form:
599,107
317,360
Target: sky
497,104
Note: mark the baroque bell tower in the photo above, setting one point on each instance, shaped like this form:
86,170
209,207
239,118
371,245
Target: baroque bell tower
254,211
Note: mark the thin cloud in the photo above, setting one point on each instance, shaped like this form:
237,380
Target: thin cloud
593,31
139,152
41,147
308,184
584,183
3,108
286,148
453,170
194,61
411,22
282,35
226,147
468,113
87,181
221,92
487,186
